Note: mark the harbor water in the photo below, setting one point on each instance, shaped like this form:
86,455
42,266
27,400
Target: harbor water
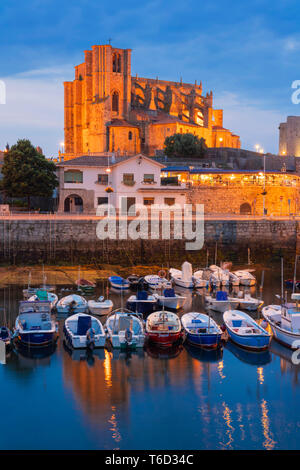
183,398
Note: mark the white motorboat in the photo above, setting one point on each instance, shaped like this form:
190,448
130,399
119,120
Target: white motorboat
245,277
72,304
199,281
219,276
34,325
169,299
284,321
221,302
42,294
125,329
101,306
155,282
247,302
233,279
84,331
183,278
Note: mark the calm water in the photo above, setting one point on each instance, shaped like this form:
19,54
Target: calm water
150,400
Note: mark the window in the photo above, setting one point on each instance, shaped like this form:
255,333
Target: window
116,63
129,135
148,178
128,179
170,201
102,200
148,201
115,102
73,176
103,179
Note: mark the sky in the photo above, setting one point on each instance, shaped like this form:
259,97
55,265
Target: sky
246,52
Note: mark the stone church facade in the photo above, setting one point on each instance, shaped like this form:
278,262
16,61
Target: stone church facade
108,110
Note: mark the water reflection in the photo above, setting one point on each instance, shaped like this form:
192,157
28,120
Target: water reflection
249,357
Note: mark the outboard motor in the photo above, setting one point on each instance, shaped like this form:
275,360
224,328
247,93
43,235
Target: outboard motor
90,338
128,336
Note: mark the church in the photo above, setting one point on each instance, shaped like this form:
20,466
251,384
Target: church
107,110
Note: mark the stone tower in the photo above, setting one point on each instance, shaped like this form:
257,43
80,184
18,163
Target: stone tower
100,92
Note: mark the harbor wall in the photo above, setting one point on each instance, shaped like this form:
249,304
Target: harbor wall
75,241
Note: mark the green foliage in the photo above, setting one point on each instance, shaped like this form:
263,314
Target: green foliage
27,173
185,145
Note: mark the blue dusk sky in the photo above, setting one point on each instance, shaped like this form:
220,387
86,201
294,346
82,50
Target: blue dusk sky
246,52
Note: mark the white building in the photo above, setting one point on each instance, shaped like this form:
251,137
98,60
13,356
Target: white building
84,181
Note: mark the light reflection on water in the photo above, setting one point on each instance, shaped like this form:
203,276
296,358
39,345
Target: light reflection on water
178,399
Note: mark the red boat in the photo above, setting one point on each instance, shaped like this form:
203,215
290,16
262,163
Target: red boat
85,285
163,328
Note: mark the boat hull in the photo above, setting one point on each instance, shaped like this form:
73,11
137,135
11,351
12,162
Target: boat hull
250,342
119,287
80,309
221,306
208,341
173,303
120,343
164,339
100,310
184,284
37,339
250,306
284,337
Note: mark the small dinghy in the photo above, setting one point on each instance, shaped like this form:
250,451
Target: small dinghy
219,276
5,336
142,302
100,306
221,302
119,282
85,286
163,328
34,325
183,278
133,280
71,304
249,303
125,329
284,321
83,331
245,332
169,299
245,277
155,281
42,294
201,330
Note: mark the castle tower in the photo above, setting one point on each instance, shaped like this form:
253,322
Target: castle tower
100,93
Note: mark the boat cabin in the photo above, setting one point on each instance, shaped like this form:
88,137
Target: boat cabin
290,315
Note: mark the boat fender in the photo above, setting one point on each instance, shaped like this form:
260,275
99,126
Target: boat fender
128,335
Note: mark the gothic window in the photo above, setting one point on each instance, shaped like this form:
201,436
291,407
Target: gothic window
115,102
116,63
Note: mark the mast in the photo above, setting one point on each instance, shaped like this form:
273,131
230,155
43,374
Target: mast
295,273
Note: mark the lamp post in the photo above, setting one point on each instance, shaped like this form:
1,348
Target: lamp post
264,191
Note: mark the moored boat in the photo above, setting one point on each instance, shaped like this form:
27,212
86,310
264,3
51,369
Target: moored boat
248,302
85,286
71,304
34,325
155,281
169,299
119,282
246,332
284,321
42,294
245,277
125,329
133,280
82,331
101,306
163,328
199,280
183,278
201,330
221,302
142,302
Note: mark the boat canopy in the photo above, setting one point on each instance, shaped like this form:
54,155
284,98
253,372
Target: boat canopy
84,323
117,280
221,295
142,295
170,292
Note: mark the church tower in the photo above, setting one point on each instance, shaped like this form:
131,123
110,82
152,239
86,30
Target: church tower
100,93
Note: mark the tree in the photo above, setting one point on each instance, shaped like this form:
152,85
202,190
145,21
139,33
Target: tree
26,172
185,145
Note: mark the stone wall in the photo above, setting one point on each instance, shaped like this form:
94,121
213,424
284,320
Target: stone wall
218,200
75,241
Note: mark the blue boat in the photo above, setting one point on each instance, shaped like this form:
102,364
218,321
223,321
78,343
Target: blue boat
201,330
34,324
246,332
119,282
142,302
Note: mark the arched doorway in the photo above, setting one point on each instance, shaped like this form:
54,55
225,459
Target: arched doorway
245,208
73,204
